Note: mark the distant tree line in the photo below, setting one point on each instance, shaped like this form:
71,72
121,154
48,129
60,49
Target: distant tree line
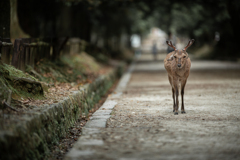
110,23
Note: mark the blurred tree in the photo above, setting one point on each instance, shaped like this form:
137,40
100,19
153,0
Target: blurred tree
5,19
15,29
107,22
201,20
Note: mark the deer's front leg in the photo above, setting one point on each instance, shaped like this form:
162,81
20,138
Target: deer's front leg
176,88
173,92
183,83
173,96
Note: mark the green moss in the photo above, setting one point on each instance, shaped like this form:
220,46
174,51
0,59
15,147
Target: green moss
60,71
13,72
82,62
21,84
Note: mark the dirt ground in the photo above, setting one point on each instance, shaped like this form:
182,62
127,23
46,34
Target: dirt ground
143,126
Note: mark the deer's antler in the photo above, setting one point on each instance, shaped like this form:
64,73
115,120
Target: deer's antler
189,44
171,45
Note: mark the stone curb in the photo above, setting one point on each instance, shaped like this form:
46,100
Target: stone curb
44,125
97,121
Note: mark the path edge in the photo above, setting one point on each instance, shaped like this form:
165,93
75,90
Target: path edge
99,119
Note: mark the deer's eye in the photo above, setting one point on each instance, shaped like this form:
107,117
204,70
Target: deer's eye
175,57
184,56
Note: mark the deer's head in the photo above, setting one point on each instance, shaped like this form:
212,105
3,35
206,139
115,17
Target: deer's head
180,56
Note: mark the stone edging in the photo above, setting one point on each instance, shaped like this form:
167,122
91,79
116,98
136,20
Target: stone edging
98,120
42,127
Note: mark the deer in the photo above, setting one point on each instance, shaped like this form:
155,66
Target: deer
177,64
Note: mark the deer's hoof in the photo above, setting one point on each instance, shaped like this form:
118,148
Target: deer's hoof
173,110
175,113
183,112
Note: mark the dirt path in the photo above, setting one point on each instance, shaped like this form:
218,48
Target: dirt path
142,125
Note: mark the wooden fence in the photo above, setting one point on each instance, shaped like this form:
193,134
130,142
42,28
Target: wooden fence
6,49
28,51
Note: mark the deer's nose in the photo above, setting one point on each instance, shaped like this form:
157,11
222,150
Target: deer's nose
179,65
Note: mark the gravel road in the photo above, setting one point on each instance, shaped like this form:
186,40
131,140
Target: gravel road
142,125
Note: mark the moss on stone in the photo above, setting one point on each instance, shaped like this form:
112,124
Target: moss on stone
20,84
39,132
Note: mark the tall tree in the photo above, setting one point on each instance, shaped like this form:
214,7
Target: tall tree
5,18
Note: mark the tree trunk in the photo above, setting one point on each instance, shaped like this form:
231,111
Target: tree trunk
16,30
5,19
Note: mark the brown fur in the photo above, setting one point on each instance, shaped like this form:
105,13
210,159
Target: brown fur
177,75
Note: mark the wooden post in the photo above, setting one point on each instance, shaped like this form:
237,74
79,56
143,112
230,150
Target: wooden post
5,56
37,52
41,53
32,56
16,53
26,44
27,55
22,58
6,48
